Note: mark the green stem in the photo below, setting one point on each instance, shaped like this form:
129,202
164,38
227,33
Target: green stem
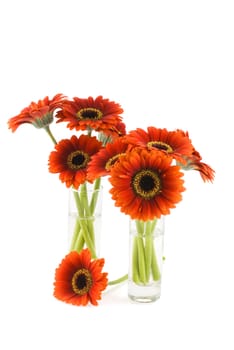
79,243
84,228
87,212
141,259
47,129
144,259
75,235
84,199
148,249
135,270
154,263
118,280
94,198
138,255
78,203
88,240
155,268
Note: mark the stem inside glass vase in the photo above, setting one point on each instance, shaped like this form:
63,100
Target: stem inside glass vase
145,261
85,216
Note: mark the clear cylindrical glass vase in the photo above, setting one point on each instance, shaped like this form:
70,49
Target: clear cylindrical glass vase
145,259
85,218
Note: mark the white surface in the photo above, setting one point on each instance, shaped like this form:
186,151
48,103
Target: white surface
169,64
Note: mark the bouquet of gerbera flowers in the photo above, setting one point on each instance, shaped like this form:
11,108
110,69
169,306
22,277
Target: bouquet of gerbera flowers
144,168
96,123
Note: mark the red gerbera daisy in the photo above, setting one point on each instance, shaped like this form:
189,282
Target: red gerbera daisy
88,113
103,160
117,131
194,163
145,185
175,143
80,280
71,158
206,172
39,114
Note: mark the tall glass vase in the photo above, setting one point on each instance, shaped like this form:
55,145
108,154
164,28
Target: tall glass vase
85,218
145,260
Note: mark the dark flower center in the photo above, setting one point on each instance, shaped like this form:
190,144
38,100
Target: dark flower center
112,161
146,183
82,281
77,160
89,113
162,146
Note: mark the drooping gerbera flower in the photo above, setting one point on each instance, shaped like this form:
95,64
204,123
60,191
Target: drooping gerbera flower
71,158
80,280
39,114
104,159
145,185
88,113
175,143
194,162
206,172
117,131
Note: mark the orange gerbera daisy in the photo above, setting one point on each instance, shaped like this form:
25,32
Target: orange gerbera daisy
175,143
206,172
111,134
88,113
103,160
194,163
145,185
71,158
80,280
39,114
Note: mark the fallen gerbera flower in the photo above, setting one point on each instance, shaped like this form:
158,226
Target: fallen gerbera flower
79,279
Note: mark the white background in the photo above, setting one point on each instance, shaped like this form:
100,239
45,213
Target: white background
169,64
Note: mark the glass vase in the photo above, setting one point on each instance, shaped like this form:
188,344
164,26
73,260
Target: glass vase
145,260
85,218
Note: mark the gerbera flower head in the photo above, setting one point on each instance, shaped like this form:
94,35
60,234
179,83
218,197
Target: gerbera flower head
194,162
71,157
145,184
104,159
39,114
115,132
175,143
88,113
80,280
